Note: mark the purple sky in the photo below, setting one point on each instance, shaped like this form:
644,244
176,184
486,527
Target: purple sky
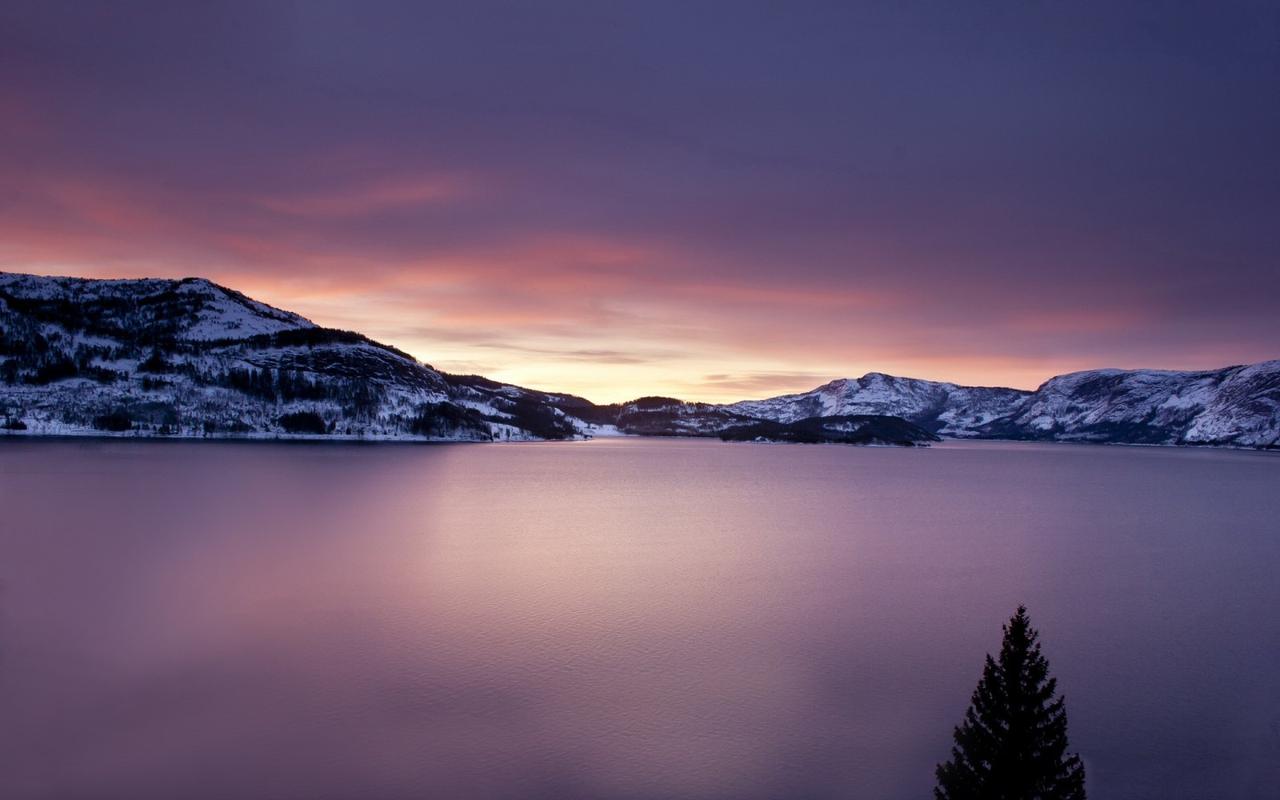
712,200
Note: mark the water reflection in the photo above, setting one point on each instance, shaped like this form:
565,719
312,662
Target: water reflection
626,619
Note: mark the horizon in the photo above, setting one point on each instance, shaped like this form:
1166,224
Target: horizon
580,400
553,390
674,200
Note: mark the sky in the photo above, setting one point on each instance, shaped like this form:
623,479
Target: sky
715,201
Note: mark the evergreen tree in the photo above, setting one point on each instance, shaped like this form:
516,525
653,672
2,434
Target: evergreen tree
1012,744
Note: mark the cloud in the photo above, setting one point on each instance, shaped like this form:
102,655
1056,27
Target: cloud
372,198
766,383
665,200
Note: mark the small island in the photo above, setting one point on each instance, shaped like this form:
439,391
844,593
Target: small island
862,429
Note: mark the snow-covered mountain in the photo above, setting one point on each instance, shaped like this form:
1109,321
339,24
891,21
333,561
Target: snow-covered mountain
943,408
1234,406
192,309
191,358
666,416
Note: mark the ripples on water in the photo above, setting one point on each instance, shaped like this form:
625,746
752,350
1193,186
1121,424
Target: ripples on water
622,618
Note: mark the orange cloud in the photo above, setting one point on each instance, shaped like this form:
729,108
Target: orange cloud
606,315
372,198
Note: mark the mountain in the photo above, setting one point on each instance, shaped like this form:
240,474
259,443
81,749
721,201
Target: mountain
942,408
192,358
1235,406
666,416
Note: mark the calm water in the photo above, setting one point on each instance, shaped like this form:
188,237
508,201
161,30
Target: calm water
621,619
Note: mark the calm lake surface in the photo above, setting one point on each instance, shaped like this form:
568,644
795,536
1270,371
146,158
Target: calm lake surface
621,618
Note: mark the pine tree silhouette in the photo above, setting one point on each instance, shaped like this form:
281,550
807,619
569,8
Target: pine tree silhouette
1012,744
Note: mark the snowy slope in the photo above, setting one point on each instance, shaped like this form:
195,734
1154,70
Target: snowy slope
191,358
943,408
188,309
666,416
1236,406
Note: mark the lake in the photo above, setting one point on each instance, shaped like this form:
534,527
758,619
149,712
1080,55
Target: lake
621,618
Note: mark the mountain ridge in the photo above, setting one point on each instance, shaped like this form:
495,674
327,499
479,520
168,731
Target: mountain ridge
189,357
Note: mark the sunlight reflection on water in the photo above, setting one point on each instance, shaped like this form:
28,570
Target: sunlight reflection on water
621,618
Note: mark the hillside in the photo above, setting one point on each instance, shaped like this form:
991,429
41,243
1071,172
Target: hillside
1235,406
191,358
942,408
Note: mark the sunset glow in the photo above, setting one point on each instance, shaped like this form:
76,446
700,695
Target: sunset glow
696,225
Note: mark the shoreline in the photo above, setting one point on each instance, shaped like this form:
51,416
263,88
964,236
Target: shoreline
346,439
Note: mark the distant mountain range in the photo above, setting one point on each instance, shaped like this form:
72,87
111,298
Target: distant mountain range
190,358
